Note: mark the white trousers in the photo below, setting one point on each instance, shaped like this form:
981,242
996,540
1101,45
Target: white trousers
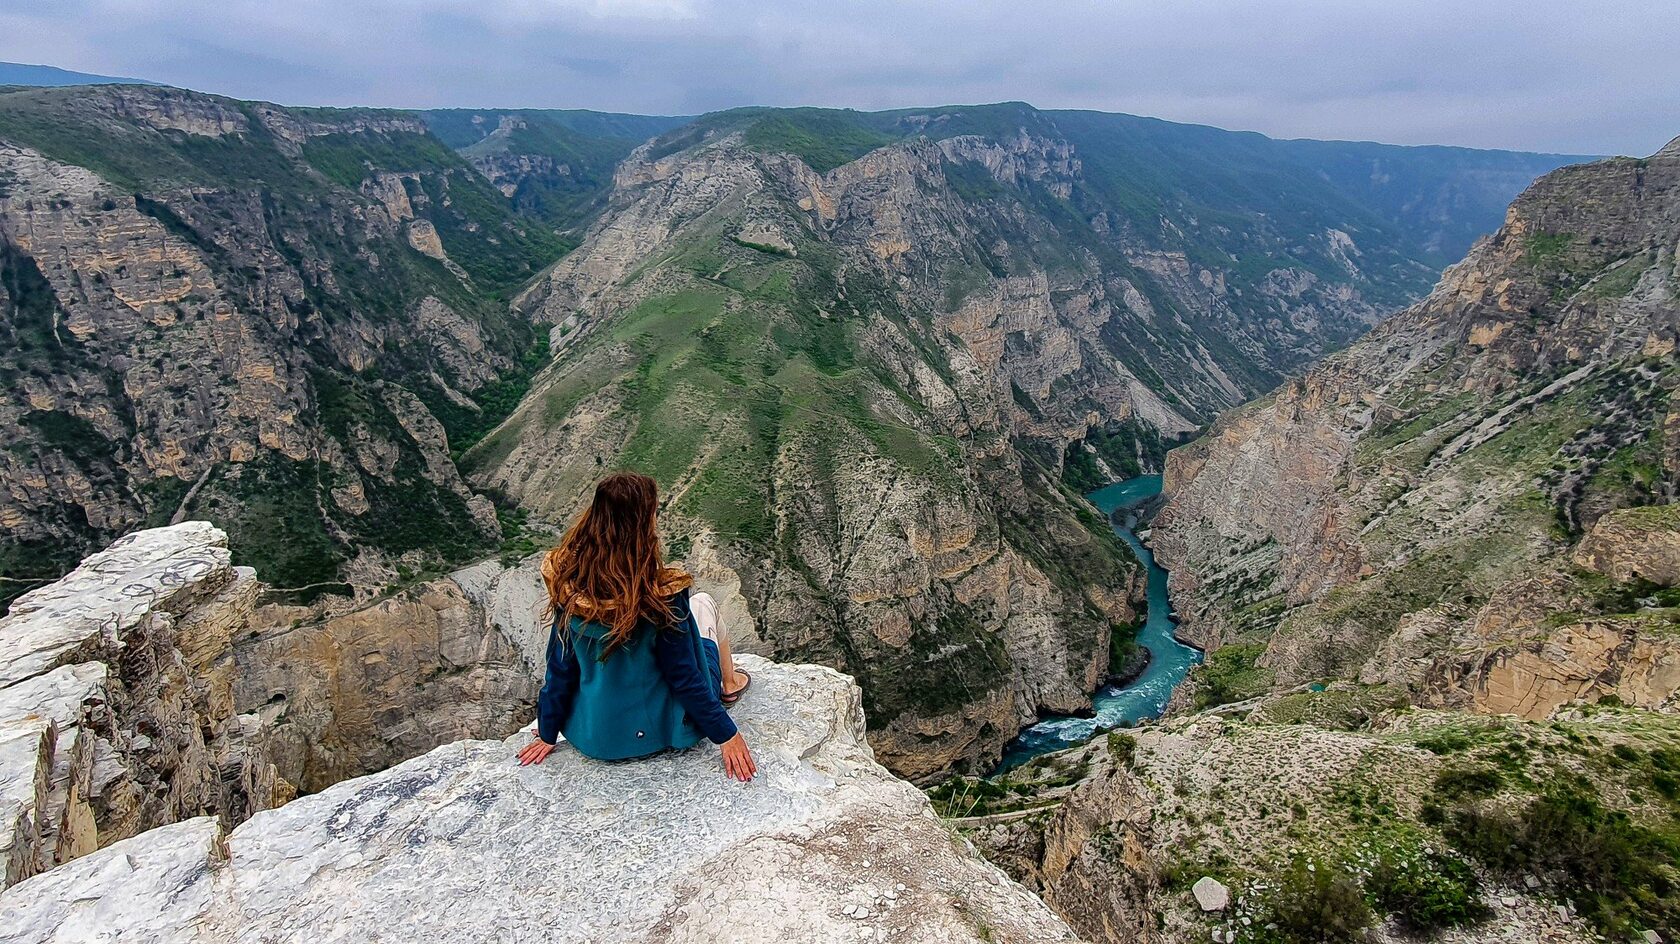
705,613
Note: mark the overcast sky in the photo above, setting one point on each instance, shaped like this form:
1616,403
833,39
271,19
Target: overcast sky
1578,76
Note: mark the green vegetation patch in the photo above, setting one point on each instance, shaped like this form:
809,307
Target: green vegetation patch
1546,250
822,138
1623,873
1347,707
1033,785
950,661
75,126
1126,448
1232,674
270,509
350,158
78,439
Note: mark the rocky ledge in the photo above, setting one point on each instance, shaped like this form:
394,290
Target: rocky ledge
463,844
116,707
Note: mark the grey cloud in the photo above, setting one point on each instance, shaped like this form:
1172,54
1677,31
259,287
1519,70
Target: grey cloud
1555,75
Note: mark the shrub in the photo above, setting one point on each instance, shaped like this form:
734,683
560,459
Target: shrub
1447,741
1122,747
1620,871
1233,673
1459,782
1426,891
1318,903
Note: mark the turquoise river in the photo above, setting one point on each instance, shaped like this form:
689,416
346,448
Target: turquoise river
1169,660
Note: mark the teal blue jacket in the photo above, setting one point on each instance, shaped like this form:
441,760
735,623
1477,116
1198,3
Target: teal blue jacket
658,691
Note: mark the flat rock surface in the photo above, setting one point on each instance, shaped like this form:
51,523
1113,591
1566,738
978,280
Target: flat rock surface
107,594
462,844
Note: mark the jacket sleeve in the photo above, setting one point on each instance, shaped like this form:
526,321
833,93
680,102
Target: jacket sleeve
674,652
560,686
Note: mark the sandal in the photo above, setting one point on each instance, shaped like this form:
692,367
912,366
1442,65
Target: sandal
730,698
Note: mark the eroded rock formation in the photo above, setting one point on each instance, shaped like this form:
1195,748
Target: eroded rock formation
1472,501
461,844
116,700
152,684
236,311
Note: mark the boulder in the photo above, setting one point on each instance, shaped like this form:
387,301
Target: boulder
1211,894
463,844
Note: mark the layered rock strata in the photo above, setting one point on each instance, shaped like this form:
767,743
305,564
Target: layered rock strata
152,685
117,700
246,313
463,844
1473,500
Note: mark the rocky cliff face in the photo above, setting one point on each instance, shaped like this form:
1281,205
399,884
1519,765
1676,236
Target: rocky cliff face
273,317
116,700
1454,503
860,367
114,676
151,685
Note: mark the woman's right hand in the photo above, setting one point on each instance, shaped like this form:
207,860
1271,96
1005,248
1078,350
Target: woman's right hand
737,760
534,752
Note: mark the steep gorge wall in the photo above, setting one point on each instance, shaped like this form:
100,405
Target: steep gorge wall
247,313
1447,504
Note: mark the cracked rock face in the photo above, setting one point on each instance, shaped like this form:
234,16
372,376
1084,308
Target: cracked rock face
463,844
1474,501
116,712
150,686
181,342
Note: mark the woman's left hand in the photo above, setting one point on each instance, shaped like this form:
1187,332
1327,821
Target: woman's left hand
534,752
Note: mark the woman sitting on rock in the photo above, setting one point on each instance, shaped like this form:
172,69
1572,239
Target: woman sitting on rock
636,663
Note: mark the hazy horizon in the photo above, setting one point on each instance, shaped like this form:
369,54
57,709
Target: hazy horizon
1541,76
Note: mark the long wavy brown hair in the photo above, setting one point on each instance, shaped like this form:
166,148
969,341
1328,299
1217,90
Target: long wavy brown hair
608,568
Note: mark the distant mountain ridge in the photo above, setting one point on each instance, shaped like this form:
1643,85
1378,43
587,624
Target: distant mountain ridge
554,164
19,73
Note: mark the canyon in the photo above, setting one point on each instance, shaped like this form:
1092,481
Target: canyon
141,830
296,396
862,352
1466,487
1434,577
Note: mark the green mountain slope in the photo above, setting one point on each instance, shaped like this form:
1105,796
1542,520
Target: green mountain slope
255,314
862,352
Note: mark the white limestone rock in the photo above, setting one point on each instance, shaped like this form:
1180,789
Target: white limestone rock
149,889
110,592
1211,894
89,757
464,845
